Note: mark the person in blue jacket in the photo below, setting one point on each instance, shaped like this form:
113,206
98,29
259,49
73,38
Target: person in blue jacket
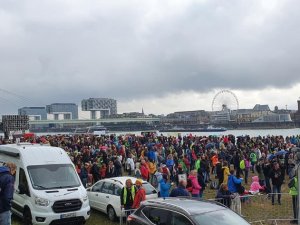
233,181
6,193
164,186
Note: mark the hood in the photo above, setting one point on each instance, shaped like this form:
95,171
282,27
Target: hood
4,169
255,179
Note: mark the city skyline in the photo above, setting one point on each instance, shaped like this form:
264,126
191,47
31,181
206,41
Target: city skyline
160,56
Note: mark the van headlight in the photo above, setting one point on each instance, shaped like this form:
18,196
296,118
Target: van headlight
85,198
42,201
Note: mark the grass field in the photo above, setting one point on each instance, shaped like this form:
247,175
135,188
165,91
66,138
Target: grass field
253,209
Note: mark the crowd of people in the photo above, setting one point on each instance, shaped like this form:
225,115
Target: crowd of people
187,165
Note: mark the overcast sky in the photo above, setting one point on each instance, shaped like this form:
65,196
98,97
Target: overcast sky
162,56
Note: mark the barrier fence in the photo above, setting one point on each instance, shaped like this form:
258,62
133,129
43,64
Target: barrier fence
258,209
124,215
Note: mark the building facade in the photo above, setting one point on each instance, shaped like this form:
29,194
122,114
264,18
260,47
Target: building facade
62,111
34,113
187,118
99,107
14,123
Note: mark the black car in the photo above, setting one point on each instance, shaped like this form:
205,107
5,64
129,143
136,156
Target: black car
181,211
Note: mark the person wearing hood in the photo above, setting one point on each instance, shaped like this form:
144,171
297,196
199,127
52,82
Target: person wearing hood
6,192
164,186
195,186
255,186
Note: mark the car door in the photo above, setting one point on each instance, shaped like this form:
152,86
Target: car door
180,219
22,192
93,195
158,216
105,195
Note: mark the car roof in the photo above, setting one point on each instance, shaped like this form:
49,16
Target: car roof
122,180
189,206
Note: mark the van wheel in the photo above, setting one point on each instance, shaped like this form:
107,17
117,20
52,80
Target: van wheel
111,213
27,218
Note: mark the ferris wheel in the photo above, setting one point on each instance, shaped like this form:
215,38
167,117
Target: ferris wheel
224,100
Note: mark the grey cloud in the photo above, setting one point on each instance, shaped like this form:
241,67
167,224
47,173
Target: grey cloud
64,52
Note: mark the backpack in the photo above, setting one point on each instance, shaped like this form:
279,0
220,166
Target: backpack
291,183
242,164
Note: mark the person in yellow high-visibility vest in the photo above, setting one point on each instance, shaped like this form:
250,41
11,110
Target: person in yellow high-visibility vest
294,193
127,196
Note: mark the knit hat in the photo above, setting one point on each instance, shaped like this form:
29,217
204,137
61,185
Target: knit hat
139,181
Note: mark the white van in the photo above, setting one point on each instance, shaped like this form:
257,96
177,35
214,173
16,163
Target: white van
48,189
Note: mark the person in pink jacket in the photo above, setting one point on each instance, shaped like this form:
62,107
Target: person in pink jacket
195,187
255,186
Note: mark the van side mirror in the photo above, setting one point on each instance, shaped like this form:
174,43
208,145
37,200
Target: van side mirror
22,189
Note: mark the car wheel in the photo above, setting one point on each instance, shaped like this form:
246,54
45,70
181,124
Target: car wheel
27,218
111,213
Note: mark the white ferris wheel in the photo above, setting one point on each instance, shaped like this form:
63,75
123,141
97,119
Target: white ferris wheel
225,100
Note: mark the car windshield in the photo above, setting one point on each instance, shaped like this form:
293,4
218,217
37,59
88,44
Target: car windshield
53,176
226,217
149,189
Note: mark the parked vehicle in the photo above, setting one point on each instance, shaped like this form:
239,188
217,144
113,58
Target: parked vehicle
47,188
179,211
105,195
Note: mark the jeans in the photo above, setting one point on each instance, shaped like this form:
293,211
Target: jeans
276,189
5,218
268,185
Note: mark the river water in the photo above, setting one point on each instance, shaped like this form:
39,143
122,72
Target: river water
252,133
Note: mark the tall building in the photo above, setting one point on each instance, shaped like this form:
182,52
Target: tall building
34,113
99,107
62,111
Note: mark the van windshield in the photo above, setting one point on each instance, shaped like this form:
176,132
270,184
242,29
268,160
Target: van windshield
53,176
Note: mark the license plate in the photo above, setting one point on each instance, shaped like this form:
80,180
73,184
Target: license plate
67,215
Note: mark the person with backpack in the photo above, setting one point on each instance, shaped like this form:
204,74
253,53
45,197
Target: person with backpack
293,186
6,192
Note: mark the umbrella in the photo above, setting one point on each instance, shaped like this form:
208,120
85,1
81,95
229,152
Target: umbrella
281,152
203,139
